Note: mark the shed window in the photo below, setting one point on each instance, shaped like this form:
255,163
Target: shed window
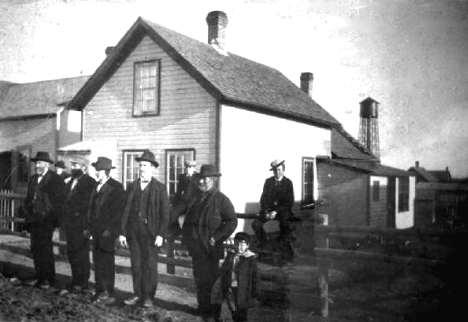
403,194
307,181
146,88
375,190
130,167
175,160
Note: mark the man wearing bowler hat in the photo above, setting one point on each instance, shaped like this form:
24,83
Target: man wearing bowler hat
276,203
43,205
210,220
60,168
143,227
79,189
105,211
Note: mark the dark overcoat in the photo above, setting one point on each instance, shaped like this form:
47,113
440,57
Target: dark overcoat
51,194
214,217
279,198
158,208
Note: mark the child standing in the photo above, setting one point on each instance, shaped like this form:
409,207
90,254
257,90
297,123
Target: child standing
238,280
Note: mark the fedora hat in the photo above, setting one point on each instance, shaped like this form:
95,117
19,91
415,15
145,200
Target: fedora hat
190,163
275,164
42,156
208,170
60,164
148,156
103,163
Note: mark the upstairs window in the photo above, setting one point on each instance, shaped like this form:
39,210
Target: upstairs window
403,194
146,88
307,181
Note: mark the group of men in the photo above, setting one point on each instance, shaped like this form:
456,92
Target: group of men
100,211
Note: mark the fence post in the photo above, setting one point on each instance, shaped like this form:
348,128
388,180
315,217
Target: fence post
323,267
170,268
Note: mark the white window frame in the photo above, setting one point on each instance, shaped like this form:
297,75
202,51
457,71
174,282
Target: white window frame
129,160
146,89
177,157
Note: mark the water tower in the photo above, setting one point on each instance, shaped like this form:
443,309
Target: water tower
369,127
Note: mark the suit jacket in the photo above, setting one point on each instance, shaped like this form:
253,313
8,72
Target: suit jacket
105,212
279,198
213,217
158,208
50,194
247,279
186,189
75,208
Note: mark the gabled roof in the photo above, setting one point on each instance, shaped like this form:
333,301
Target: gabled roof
422,173
368,166
38,98
230,78
344,146
442,175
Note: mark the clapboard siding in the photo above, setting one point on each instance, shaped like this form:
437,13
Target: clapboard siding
37,133
187,117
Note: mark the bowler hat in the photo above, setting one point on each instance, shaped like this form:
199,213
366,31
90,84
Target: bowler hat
190,163
60,164
148,156
42,156
275,164
208,170
103,163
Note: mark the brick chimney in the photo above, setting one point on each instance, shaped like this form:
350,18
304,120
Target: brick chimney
307,80
417,164
217,22
109,50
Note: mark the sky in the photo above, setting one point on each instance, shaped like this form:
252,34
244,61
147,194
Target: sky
409,55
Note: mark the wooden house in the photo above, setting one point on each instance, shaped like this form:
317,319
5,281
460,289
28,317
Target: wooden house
33,118
185,99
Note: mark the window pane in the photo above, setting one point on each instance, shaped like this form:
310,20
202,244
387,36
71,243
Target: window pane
145,91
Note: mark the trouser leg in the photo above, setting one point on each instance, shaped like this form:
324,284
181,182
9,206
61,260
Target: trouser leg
206,271
42,250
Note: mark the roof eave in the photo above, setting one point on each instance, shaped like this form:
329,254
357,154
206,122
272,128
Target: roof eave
28,117
285,115
121,51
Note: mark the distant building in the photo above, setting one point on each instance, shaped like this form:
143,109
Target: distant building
33,118
440,200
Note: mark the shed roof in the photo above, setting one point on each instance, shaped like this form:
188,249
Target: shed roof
38,98
368,166
230,78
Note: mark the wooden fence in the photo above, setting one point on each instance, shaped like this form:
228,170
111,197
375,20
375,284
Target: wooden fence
334,245
10,203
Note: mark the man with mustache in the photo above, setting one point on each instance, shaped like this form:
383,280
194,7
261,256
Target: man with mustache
79,190
43,205
210,220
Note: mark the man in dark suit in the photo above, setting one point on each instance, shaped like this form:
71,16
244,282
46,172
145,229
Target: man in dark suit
276,203
210,220
43,205
79,189
143,227
187,188
104,215
60,168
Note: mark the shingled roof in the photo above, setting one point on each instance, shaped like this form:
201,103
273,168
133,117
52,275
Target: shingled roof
38,98
368,166
230,78
344,146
